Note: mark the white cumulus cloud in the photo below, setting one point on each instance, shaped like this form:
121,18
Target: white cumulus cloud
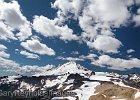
117,63
137,2
29,55
9,64
2,47
4,54
34,69
130,51
136,18
70,58
90,56
97,17
6,32
73,6
106,44
48,28
37,47
75,52
31,69
11,15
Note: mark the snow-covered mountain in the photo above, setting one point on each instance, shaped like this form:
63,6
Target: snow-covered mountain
70,81
69,67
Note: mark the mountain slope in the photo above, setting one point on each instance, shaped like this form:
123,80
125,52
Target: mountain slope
70,81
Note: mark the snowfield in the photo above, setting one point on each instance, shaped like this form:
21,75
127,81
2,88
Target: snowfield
86,90
137,95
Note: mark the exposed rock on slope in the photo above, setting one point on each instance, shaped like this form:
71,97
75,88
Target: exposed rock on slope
109,91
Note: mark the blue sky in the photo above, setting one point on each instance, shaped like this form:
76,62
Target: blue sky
100,35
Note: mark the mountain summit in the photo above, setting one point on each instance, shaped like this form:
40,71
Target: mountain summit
69,67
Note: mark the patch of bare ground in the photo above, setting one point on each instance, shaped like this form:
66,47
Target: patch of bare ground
137,98
109,91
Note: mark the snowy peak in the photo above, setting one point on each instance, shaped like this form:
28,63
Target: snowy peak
67,68
134,77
